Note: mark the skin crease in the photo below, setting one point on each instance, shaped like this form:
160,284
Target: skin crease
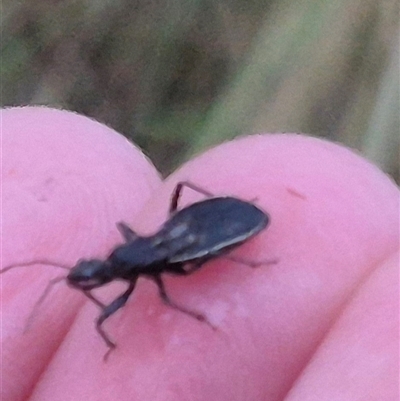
321,324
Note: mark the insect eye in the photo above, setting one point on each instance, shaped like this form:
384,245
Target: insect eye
88,274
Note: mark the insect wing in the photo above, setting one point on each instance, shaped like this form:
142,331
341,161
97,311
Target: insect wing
213,225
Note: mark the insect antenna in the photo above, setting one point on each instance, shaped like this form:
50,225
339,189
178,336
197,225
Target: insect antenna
35,262
46,291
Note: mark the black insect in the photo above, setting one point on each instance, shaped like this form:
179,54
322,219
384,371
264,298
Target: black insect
191,237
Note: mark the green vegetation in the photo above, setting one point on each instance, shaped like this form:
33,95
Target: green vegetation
179,76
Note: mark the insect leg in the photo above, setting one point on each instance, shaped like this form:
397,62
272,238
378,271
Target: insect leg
178,191
39,302
110,310
127,233
93,299
250,263
168,301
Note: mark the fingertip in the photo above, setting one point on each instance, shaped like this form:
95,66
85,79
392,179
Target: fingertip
67,179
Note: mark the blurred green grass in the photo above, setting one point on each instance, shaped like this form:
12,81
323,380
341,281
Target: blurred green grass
180,76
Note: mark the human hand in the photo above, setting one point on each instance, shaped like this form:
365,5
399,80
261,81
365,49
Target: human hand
320,324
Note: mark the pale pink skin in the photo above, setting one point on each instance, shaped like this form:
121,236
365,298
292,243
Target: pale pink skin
321,324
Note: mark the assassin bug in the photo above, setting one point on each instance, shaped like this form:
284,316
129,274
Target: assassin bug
192,236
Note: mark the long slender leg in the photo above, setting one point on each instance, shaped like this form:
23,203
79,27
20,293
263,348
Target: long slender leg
250,263
39,302
189,268
127,233
93,299
168,301
178,191
110,310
